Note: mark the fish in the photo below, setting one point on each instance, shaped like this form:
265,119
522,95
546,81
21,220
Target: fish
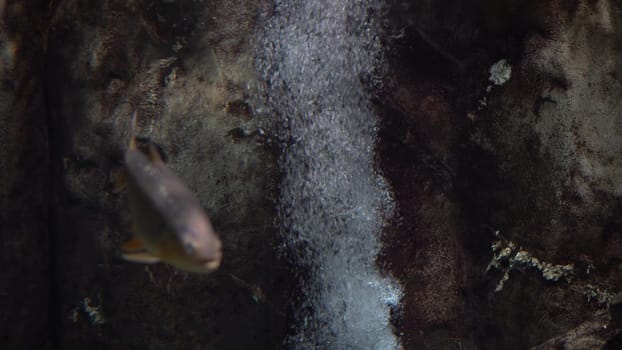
168,222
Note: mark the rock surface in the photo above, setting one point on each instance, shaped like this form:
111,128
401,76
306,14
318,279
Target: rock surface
592,334
24,243
184,68
508,225
536,159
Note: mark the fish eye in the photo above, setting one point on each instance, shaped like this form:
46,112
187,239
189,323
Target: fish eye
189,247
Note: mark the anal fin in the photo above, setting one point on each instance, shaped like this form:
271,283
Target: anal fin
141,257
133,245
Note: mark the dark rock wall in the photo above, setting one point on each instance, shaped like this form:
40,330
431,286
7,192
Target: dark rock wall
24,164
537,159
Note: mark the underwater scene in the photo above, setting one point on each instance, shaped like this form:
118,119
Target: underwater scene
311,174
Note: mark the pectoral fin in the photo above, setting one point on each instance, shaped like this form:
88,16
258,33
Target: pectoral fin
141,257
133,245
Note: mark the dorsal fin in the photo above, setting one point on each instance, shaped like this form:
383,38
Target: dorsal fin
144,144
132,143
133,132
149,149
154,153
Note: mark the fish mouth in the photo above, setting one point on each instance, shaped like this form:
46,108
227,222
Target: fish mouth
211,264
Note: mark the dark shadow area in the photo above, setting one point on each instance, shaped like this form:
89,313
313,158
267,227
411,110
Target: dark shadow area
24,200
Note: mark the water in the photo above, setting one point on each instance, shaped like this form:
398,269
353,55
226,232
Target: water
333,203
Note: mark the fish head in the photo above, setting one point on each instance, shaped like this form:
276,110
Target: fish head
200,243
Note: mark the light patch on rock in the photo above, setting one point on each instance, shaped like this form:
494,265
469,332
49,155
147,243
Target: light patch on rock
581,128
509,256
500,72
600,295
93,312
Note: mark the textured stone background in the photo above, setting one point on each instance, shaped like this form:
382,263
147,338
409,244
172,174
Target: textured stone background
185,68
537,159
